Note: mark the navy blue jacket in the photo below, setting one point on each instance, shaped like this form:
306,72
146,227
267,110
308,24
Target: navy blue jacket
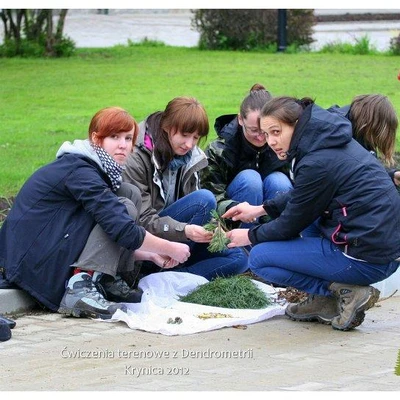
50,221
340,182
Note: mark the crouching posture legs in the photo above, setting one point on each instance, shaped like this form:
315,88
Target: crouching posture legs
105,273
338,286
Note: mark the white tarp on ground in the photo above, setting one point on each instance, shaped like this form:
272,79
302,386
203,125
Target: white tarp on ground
160,303
389,286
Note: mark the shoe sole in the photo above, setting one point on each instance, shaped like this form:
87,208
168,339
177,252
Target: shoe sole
311,318
359,314
78,313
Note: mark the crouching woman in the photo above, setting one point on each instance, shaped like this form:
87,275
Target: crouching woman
345,201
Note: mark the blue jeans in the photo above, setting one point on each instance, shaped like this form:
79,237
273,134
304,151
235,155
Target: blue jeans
249,186
195,208
311,264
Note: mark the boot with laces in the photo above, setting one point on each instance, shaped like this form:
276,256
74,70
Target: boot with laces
116,289
353,302
315,308
82,299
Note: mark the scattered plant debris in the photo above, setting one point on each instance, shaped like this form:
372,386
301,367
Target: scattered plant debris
213,315
176,320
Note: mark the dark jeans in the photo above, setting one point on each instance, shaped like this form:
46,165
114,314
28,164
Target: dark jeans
312,263
195,208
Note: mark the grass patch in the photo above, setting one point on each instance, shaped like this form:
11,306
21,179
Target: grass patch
235,292
45,102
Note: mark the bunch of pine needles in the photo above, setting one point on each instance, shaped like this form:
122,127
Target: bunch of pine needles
216,225
235,292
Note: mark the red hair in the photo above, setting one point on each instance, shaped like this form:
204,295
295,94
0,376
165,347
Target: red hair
111,120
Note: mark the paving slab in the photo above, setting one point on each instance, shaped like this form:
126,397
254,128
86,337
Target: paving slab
51,352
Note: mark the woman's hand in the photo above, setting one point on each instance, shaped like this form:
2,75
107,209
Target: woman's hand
238,238
198,234
397,178
179,252
158,259
244,212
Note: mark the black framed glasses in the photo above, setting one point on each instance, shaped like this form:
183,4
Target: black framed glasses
253,132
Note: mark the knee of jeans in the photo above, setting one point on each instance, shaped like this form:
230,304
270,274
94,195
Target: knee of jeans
249,177
208,198
278,179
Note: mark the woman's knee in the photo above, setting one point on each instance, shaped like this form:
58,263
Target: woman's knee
207,198
249,178
130,207
132,193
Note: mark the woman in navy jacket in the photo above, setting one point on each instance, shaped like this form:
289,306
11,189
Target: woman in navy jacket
356,239
68,214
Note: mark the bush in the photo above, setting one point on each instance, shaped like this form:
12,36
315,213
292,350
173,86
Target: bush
245,29
361,46
394,47
65,47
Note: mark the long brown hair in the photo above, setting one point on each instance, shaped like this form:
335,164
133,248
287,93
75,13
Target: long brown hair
182,114
111,120
375,123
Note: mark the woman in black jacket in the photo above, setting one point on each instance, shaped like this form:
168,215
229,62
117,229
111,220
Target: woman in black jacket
241,165
342,186
71,233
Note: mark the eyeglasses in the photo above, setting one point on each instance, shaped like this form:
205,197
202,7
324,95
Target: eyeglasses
253,132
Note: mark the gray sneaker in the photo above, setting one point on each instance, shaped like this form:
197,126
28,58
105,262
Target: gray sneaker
315,308
82,299
353,302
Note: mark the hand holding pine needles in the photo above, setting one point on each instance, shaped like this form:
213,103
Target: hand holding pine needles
219,240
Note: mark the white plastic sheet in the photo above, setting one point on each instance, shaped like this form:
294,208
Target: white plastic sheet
160,302
389,286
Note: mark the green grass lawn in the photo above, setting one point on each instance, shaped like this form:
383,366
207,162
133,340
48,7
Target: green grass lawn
44,102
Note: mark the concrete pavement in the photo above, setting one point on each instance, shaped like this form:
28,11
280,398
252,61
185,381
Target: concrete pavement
50,352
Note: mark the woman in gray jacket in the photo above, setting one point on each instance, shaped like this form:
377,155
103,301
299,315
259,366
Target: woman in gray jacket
165,167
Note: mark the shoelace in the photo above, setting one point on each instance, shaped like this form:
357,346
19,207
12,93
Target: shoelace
96,292
307,300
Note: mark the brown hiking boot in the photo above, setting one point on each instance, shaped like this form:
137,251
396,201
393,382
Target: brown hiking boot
315,308
353,302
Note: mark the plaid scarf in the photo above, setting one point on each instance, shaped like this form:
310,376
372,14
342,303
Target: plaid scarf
110,167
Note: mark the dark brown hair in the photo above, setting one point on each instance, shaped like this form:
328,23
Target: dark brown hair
285,109
111,120
255,100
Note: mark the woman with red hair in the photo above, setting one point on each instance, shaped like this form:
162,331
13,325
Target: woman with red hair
76,215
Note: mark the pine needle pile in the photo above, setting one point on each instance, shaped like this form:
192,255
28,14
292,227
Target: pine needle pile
219,241
235,292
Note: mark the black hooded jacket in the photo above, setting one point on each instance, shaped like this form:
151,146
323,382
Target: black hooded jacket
342,184
230,154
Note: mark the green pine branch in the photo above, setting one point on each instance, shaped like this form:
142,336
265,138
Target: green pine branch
216,225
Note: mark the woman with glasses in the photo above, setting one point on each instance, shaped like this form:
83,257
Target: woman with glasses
242,167
165,167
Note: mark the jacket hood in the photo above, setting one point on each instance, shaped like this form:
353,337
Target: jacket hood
319,129
81,148
226,126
